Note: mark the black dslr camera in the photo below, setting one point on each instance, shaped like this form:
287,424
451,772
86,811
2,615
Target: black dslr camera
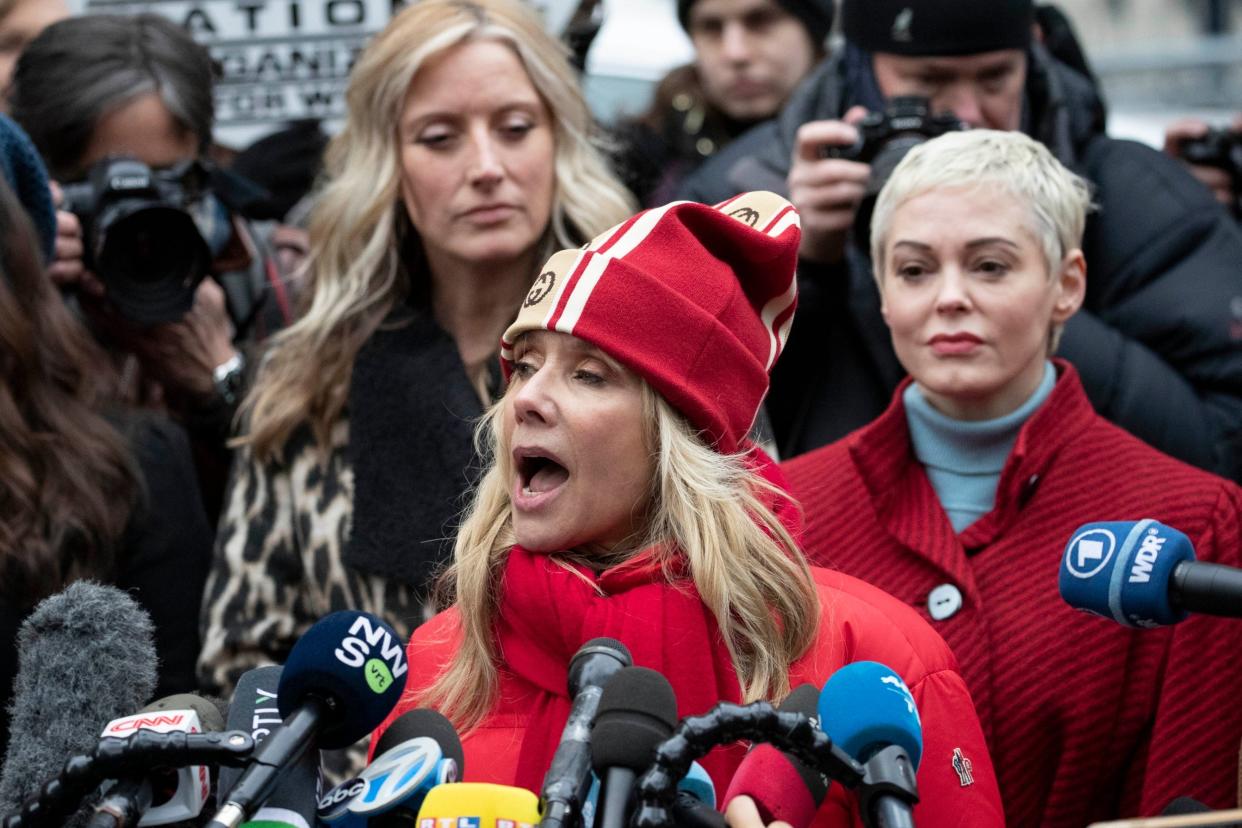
884,138
905,122
140,237
1221,148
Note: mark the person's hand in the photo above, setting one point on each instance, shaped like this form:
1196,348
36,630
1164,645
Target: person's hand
67,269
826,191
1214,178
183,355
742,813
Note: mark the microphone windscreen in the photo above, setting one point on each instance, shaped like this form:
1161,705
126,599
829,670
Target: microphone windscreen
637,710
86,656
354,659
1185,805
428,723
255,709
209,715
1121,570
596,662
698,783
865,707
782,787
485,806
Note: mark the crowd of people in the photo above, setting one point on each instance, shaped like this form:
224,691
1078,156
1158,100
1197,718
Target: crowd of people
819,402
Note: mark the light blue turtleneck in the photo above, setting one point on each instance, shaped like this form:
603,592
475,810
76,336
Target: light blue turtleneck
964,458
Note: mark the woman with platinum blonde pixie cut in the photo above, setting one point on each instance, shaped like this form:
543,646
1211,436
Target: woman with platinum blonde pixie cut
465,159
625,500
962,496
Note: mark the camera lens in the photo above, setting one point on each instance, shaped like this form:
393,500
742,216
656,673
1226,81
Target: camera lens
152,258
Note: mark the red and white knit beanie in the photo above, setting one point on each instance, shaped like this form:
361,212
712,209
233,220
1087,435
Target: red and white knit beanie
697,300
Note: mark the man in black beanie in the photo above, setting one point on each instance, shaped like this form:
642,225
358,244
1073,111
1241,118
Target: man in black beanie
1158,242
749,56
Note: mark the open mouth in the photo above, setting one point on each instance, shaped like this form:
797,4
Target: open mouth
539,473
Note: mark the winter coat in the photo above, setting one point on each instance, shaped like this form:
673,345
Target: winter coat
1086,720
667,628
364,525
1157,340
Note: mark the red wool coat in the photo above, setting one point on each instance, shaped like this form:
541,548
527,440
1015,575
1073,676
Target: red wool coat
858,622
1086,720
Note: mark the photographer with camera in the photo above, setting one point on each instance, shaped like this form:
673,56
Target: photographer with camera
152,243
1213,155
1158,242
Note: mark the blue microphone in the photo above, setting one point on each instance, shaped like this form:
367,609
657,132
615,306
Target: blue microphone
867,711
1144,574
342,678
420,750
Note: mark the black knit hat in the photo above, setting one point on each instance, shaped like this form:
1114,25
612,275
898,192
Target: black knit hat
815,15
937,27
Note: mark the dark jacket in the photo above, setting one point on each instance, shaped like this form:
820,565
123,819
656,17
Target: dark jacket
162,557
1156,343
1085,719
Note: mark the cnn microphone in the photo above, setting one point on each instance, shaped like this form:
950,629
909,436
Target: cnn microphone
568,780
254,710
1144,574
782,787
419,751
342,678
637,711
86,656
164,795
478,805
867,710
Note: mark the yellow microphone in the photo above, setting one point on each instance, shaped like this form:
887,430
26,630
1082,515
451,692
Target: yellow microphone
478,805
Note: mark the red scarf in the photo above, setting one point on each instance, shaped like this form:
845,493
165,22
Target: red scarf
547,613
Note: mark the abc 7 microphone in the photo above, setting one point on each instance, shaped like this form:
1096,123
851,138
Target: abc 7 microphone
342,678
417,753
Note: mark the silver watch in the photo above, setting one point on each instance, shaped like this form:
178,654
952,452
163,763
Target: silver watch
229,377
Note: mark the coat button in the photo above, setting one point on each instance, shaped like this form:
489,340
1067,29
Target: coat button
943,602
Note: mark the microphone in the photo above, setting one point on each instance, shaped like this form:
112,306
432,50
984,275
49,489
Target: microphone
695,805
165,795
478,805
782,787
568,780
85,657
419,751
1144,574
867,710
341,679
637,711
254,710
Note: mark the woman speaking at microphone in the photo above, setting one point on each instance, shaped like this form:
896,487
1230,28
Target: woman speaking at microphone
961,497
624,500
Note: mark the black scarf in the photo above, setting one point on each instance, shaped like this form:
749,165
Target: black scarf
412,412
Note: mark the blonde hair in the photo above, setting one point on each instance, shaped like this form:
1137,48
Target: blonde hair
705,506
1058,199
360,229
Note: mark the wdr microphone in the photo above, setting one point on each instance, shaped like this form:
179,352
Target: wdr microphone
164,795
478,805
1144,574
342,677
568,780
867,710
637,711
391,789
782,787
85,657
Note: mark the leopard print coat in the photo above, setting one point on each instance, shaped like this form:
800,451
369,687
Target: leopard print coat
279,564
